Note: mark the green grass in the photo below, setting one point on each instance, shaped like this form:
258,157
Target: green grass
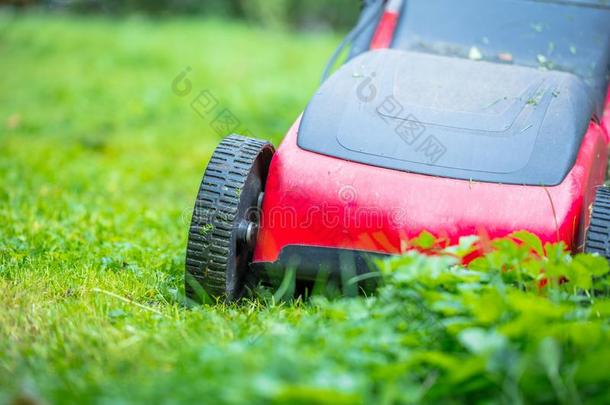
99,164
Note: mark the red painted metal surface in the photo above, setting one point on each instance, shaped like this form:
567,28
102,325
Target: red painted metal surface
387,25
605,120
317,200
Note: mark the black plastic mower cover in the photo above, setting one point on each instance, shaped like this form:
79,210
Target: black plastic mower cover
482,121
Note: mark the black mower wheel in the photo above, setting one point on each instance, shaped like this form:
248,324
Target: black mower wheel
225,219
598,234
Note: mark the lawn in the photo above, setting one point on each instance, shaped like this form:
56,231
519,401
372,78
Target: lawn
100,160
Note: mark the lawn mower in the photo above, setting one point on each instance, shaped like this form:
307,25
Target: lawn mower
475,117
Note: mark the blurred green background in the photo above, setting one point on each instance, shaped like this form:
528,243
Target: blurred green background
301,14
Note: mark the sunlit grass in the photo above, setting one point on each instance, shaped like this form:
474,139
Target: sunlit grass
99,166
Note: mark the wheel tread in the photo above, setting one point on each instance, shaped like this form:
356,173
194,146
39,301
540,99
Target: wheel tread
598,234
207,253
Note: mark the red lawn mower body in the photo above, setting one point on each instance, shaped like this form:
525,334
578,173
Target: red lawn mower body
475,117
315,204
317,200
